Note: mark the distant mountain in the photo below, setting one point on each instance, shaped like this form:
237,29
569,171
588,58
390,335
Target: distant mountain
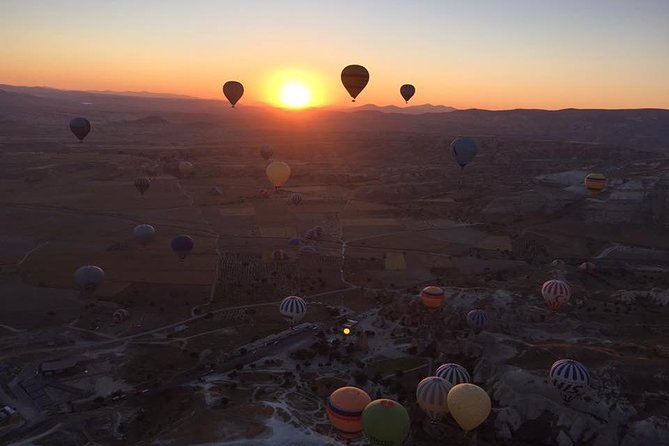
408,110
48,92
645,129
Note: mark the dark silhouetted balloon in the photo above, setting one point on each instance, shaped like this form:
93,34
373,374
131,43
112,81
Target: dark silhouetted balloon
407,91
80,127
266,153
88,278
142,184
354,78
233,90
464,150
182,245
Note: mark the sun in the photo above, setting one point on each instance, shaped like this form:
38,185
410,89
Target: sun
295,95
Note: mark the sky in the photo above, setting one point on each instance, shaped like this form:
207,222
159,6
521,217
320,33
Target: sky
494,54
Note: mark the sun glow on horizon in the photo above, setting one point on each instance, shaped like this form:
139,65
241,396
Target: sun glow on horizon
295,95
296,88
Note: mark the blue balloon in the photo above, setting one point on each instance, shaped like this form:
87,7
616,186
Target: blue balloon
570,378
182,245
477,320
294,242
464,150
453,373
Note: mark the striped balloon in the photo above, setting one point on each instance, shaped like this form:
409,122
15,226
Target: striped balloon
570,378
296,198
432,297
453,373
477,320
142,184
293,309
431,396
595,183
555,293
344,409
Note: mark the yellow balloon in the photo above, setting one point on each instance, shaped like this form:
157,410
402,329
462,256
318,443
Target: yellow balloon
469,404
278,173
347,331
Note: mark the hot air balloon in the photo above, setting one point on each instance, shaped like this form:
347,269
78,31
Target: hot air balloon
464,150
88,278
587,267
555,293
144,233
477,320
278,173
296,198
570,378
279,255
294,242
80,127
385,423
263,193
595,183
344,408
120,315
407,91
354,78
266,153
469,405
431,396
182,245
186,169
453,373
142,184
293,309
433,297
233,90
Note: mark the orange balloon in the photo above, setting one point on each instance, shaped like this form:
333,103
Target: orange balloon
432,297
344,409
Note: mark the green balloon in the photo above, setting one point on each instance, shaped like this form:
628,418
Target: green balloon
385,423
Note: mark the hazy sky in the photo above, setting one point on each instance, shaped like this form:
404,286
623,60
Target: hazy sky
484,54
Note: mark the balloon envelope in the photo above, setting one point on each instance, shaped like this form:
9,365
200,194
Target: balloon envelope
469,405
355,79
293,309
432,297
88,278
233,91
142,184
477,320
555,293
182,245
80,127
278,173
463,150
266,153
453,373
431,395
407,91
570,378
385,423
144,233
344,408
595,183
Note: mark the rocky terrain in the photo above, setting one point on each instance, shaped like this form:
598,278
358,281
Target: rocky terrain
204,357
